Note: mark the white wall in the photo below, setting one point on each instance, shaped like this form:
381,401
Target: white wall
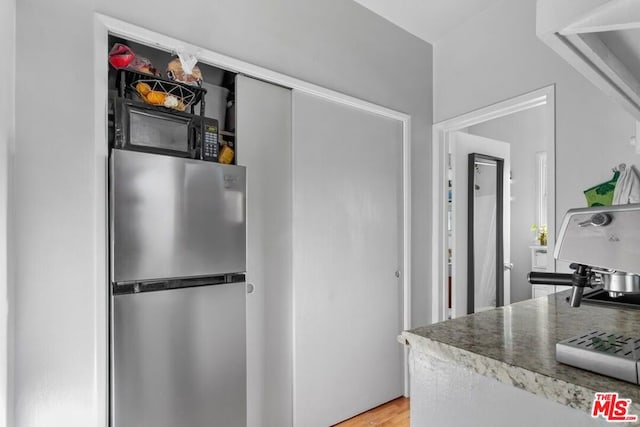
526,132
496,56
7,47
337,44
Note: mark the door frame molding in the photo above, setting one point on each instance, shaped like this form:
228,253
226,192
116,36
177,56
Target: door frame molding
105,25
441,138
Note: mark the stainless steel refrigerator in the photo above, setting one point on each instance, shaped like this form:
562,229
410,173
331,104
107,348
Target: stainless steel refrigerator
177,236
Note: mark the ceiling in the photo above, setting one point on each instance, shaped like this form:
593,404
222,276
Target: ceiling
625,45
428,19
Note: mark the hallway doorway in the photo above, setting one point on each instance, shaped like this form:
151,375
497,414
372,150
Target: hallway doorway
527,124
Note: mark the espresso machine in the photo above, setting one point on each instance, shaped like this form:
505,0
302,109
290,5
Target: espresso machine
603,246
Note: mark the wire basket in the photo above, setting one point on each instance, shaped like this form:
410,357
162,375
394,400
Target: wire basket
159,92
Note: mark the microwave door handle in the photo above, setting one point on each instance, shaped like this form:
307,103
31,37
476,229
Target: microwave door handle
193,140
200,141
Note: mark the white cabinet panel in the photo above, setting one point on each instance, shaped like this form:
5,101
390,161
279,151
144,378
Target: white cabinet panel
264,147
347,204
448,395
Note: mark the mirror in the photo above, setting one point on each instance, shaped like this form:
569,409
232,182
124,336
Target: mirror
485,258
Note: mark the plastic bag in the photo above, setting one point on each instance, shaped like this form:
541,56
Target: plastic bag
121,56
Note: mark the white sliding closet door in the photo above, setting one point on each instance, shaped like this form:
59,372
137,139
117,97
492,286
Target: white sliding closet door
347,217
264,146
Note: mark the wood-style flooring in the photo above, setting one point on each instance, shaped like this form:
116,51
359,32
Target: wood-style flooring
391,414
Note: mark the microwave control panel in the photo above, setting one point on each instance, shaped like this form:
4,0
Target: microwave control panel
210,142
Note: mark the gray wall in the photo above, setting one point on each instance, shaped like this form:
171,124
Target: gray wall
525,132
337,44
7,84
496,56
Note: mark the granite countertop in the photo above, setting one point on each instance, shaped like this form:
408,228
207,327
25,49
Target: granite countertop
515,344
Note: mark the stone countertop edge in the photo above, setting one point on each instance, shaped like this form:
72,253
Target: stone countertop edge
565,393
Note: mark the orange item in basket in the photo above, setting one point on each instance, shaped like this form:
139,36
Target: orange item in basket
143,89
156,98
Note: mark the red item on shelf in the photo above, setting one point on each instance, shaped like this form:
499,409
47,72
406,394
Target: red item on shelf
121,56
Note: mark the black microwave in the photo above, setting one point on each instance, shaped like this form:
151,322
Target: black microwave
141,127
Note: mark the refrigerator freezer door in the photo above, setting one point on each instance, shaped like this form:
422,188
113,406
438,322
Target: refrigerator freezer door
179,358
173,217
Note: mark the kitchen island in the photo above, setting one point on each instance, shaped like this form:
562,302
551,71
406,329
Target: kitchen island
498,367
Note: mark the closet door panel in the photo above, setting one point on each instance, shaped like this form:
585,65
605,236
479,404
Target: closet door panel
264,147
347,222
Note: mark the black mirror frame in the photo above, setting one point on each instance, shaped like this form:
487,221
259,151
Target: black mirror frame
473,157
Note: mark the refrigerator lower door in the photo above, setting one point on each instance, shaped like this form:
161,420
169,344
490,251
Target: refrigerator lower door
178,358
173,217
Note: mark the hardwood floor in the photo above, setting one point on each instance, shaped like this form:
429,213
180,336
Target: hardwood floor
391,414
